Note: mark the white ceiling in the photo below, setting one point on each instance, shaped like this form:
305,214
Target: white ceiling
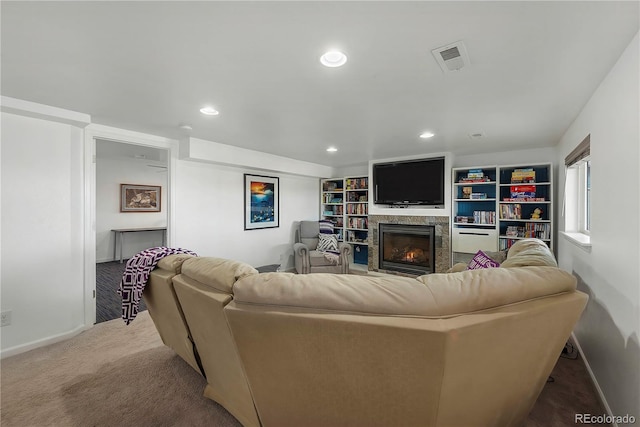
149,66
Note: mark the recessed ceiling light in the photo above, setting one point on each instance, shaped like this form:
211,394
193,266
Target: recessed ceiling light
333,58
209,111
427,135
332,149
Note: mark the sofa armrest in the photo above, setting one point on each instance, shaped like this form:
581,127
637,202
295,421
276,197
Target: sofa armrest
345,251
300,249
301,258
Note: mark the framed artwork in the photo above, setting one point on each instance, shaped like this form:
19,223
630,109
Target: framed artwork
140,198
261,202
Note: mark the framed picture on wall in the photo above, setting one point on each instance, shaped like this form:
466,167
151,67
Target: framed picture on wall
261,202
140,198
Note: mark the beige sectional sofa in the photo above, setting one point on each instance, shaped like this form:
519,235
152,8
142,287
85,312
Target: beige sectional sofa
459,349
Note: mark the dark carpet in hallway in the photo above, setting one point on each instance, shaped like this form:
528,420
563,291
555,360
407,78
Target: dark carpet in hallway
108,302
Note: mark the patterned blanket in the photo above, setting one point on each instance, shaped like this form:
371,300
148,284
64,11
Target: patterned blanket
136,275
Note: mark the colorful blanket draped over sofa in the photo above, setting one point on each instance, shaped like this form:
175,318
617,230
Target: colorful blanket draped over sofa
136,275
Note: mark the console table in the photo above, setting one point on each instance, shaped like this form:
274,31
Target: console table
120,232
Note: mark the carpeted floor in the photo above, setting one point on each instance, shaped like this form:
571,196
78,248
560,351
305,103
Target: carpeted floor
108,302
117,375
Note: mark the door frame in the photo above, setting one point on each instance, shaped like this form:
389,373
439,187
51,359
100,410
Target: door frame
94,132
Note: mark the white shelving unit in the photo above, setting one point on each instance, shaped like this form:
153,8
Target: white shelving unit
345,201
474,219
492,209
522,225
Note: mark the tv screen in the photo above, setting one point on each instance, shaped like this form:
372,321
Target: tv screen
410,182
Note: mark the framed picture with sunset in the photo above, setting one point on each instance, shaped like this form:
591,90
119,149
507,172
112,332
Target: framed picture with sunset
261,202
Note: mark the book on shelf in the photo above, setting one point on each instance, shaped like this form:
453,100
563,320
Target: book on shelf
523,199
475,173
336,200
464,219
484,217
472,180
357,183
476,196
519,176
513,211
523,191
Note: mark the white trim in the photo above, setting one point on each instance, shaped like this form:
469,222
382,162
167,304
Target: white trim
42,342
579,239
93,132
45,112
603,399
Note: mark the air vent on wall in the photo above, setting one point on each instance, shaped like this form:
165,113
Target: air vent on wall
451,57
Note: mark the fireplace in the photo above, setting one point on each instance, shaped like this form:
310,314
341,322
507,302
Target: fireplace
407,248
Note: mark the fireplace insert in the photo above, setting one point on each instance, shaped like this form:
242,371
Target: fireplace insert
407,248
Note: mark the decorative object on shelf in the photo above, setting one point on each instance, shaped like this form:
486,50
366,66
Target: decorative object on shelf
466,192
140,198
536,214
261,202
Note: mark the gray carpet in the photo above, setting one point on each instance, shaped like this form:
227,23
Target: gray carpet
108,302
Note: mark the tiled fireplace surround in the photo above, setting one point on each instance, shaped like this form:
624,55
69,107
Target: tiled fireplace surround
441,223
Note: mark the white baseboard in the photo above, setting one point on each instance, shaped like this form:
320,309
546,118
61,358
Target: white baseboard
42,342
603,399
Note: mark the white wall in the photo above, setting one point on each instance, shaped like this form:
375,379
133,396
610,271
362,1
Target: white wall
610,273
110,173
514,157
42,233
210,213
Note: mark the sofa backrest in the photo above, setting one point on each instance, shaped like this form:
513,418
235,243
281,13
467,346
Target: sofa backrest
529,252
164,308
471,348
204,288
430,295
308,233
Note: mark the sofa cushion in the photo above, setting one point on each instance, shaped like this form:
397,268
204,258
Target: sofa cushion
318,259
325,226
529,252
173,262
327,242
433,295
218,273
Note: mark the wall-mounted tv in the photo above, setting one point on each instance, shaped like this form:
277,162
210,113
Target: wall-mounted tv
409,182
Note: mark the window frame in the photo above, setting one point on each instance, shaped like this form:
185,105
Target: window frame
577,195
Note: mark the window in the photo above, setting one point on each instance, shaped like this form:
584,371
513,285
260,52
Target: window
577,197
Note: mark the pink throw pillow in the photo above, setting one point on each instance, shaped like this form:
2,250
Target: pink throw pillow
481,260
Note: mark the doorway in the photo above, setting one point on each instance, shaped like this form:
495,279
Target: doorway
145,169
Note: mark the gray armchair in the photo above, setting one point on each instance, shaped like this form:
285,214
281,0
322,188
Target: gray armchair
309,260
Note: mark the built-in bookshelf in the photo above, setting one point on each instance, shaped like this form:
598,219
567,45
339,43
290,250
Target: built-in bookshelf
474,219
345,201
525,204
332,203
495,206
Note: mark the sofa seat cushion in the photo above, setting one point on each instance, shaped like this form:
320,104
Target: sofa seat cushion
218,273
317,259
433,295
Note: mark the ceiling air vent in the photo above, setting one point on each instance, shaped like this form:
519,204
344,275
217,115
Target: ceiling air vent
451,57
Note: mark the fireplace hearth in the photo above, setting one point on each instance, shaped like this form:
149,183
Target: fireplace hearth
407,248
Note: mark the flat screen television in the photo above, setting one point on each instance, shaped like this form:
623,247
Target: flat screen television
409,182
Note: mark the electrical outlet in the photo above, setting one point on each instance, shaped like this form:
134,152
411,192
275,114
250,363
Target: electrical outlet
5,318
